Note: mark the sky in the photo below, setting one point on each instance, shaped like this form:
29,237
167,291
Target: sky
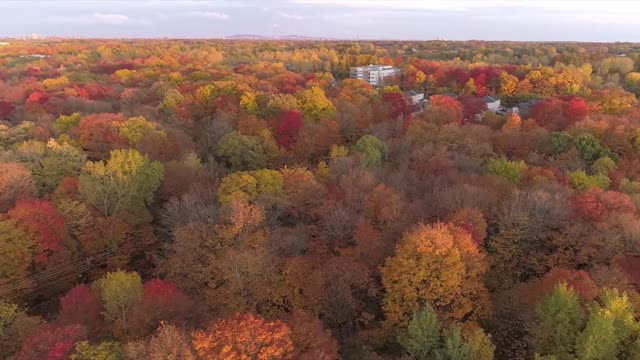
523,20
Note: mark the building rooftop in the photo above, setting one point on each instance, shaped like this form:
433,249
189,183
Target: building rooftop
378,67
489,99
413,92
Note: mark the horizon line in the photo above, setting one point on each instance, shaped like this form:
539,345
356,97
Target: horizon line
256,37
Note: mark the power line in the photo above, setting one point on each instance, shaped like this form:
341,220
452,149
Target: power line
56,271
63,272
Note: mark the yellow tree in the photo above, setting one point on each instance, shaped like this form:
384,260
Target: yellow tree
314,104
469,87
420,77
508,84
438,265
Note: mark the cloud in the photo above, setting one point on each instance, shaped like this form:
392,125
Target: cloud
97,18
112,19
276,25
208,14
290,16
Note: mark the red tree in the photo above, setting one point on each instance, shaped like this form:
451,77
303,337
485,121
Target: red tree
5,109
396,104
42,219
37,97
161,301
67,189
548,111
79,306
98,134
52,343
472,221
595,204
630,266
471,106
578,280
575,109
289,128
32,71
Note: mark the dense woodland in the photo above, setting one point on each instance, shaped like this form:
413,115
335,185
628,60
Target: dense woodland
192,199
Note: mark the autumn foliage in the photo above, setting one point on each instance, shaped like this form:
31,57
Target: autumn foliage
43,220
595,204
438,264
289,128
223,199
79,306
244,337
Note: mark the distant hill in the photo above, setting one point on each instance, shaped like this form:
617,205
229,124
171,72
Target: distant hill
280,37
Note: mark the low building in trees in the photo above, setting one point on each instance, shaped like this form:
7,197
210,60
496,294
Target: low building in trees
493,104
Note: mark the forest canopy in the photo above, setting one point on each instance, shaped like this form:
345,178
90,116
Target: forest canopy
218,199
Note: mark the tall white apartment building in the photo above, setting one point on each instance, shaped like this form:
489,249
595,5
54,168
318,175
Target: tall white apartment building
374,74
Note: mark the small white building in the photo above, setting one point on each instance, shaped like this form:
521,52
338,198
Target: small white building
374,74
414,96
493,104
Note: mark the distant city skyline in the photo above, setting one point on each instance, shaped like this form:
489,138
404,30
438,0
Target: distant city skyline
523,20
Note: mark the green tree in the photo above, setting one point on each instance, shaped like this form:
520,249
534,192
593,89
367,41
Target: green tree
455,348
314,104
561,142
119,292
13,135
590,149
598,341
241,152
559,318
611,330
267,181
249,184
636,141
66,122
621,309
371,149
580,181
172,99
546,357
422,337
51,162
510,170
127,181
603,166
239,184
137,128
106,350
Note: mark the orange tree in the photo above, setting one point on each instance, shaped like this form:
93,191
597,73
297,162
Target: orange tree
244,337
